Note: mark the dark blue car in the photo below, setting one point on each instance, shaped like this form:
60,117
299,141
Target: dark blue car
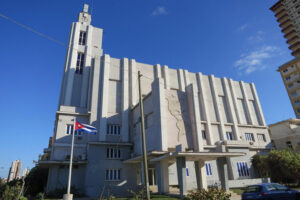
270,191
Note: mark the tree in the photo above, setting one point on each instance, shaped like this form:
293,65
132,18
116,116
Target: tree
35,181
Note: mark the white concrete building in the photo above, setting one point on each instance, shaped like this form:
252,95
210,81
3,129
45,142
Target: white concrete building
14,171
201,130
286,134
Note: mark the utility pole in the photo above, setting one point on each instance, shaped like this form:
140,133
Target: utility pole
143,138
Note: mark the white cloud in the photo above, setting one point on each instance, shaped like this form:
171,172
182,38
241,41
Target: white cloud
257,37
243,27
255,60
160,10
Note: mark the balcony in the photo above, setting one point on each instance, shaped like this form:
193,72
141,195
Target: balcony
285,24
290,34
288,29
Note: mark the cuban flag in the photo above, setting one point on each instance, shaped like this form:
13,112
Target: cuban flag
85,128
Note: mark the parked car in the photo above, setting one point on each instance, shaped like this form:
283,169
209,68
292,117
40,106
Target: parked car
270,191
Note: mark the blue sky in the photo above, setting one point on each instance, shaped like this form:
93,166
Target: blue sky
233,38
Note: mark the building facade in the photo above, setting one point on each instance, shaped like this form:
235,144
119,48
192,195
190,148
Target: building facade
290,74
287,13
15,170
200,130
286,134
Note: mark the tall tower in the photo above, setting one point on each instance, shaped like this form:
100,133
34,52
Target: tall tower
85,43
287,13
14,171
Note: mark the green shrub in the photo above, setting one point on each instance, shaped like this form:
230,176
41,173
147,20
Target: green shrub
282,166
12,192
210,194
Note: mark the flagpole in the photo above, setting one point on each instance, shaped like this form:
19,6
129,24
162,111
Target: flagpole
70,197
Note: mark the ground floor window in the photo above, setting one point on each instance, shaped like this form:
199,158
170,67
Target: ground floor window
113,174
229,136
243,169
208,169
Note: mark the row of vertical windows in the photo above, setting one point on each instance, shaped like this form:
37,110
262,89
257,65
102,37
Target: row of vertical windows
229,136
261,137
113,174
79,63
113,153
243,169
82,38
69,130
249,136
113,129
208,169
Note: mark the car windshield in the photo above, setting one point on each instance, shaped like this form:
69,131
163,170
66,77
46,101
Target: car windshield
270,187
279,187
253,189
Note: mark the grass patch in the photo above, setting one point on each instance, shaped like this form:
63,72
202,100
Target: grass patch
238,191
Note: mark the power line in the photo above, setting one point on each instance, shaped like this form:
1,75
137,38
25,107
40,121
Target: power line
32,30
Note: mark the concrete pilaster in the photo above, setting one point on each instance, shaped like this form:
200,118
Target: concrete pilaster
157,71
86,68
66,69
181,80
195,117
95,90
234,100
203,101
158,93
201,174
181,174
186,77
231,109
258,106
125,100
223,172
166,77
72,65
216,105
133,77
104,97
246,101
162,174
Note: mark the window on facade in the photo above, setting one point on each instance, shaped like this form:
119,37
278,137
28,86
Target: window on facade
203,135
82,38
293,94
285,70
290,85
289,144
69,130
113,153
243,169
298,110
79,63
249,136
187,171
113,174
113,129
297,101
287,78
229,136
261,137
208,169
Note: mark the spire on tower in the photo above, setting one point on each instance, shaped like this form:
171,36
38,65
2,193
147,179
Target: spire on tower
85,8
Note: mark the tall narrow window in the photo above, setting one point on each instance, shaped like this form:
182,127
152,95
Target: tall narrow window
69,129
229,136
113,174
289,144
208,169
243,169
82,38
113,153
203,135
249,137
79,63
113,129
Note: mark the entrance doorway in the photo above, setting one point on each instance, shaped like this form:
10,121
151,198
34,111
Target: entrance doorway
152,176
